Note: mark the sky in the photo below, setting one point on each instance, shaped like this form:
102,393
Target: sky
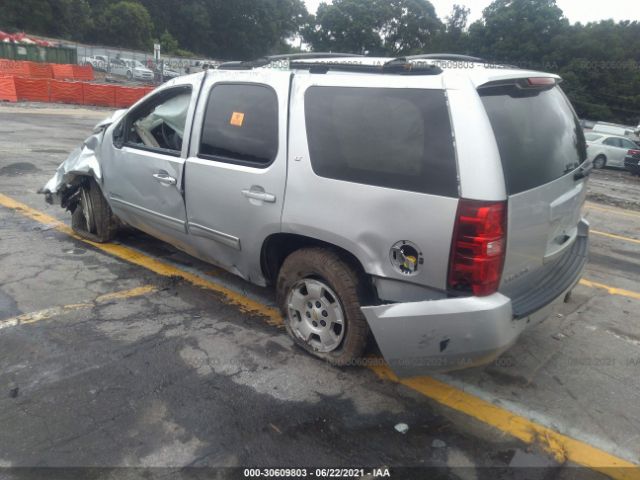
575,10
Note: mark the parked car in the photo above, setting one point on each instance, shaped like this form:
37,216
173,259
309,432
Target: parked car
132,69
632,161
97,62
608,150
339,183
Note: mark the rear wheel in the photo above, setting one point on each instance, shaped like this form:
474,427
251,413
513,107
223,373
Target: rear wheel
92,217
318,294
129,75
600,161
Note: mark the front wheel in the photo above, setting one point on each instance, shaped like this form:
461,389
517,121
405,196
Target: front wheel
129,75
320,298
92,217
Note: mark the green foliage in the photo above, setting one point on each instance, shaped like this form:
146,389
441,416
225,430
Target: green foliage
126,24
379,27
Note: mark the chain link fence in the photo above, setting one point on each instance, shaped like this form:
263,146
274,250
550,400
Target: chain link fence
120,65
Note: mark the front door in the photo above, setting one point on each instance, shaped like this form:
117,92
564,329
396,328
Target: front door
236,170
144,167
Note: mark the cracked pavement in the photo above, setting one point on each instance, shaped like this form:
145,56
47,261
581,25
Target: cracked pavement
176,377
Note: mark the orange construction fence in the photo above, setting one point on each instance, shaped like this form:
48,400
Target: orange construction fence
56,71
14,88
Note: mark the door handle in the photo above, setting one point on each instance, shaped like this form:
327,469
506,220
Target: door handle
258,195
165,178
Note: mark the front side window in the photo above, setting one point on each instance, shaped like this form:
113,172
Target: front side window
158,124
240,125
397,138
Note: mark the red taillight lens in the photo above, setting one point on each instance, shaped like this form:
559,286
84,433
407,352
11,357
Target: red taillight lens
633,152
478,247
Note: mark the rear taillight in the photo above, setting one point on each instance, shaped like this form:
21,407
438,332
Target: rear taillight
633,153
478,247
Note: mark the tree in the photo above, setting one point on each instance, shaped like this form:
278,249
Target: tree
380,27
125,24
517,31
32,16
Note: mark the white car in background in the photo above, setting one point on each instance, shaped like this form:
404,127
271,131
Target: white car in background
608,150
97,62
132,69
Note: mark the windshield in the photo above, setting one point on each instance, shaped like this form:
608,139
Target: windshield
539,137
592,137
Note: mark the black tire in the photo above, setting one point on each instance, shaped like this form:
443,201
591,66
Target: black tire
92,217
328,267
129,75
600,161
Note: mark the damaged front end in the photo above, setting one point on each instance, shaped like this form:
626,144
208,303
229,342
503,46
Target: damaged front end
82,163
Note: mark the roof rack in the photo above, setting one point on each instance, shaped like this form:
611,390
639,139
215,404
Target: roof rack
398,66
264,61
445,56
304,55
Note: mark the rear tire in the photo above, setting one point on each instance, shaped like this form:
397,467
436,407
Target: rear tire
319,295
92,217
600,161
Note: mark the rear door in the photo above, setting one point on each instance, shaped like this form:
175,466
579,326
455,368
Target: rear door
236,171
614,151
542,146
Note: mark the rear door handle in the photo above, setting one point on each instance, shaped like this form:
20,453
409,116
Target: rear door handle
165,178
258,195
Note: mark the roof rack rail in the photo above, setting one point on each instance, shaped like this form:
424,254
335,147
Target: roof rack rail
398,66
445,56
299,56
264,61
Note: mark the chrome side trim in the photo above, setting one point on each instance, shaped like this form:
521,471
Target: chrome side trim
220,237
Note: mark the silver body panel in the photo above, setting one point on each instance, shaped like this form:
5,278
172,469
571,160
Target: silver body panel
223,212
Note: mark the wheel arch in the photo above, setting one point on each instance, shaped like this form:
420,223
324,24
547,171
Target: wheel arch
278,246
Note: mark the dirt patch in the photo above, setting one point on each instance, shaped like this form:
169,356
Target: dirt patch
614,187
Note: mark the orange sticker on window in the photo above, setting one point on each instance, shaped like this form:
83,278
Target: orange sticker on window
237,118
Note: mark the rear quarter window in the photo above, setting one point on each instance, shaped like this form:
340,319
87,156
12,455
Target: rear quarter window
387,137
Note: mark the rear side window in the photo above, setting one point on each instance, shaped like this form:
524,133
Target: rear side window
240,125
387,137
539,137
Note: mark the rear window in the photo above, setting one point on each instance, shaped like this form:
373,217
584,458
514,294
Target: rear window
387,137
539,137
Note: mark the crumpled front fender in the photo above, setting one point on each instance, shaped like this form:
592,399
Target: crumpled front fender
83,161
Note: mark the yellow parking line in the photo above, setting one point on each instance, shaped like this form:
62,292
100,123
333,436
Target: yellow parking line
47,313
617,211
245,304
560,445
611,290
617,237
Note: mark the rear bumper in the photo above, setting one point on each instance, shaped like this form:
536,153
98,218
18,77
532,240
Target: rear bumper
417,338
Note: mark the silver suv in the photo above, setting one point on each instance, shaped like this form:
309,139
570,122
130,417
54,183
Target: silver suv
433,203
